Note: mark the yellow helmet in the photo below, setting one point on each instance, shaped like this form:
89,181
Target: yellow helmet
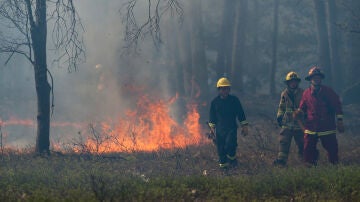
292,76
223,82
315,70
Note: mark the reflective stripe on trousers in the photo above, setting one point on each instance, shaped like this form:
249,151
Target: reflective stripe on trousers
329,142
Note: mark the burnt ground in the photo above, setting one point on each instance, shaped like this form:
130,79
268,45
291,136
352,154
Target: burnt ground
256,152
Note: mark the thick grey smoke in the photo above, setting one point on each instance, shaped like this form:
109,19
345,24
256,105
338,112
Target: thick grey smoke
104,86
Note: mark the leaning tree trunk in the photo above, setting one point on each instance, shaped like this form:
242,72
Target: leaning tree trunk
38,36
323,40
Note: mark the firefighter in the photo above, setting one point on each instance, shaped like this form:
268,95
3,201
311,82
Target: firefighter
289,102
322,109
225,110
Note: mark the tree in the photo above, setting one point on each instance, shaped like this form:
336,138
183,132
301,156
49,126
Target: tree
153,10
334,46
26,34
224,51
238,46
252,59
352,28
199,77
274,48
143,19
191,52
323,39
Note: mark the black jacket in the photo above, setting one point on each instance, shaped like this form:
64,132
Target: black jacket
224,112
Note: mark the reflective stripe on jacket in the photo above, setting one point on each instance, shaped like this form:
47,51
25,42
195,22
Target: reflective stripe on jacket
289,102
224,112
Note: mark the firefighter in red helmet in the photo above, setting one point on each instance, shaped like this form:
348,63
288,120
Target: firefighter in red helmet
322,110
225,110
289,102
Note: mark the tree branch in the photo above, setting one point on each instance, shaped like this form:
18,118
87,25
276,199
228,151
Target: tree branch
151,26
66,36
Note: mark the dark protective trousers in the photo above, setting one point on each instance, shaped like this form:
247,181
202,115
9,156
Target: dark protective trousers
285,138
330,144
226,144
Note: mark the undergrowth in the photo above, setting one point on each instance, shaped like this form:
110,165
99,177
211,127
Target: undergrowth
184,174
150,177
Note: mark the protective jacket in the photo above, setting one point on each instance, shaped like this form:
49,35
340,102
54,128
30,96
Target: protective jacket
289,102
223,115
320,108
224,112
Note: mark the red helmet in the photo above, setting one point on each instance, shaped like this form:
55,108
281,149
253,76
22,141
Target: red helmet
315,70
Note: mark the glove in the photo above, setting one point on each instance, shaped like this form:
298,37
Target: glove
244,130
340,126
298,114
279,120
212,127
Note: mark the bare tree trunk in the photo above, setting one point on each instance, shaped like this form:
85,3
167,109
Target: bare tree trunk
354,70
274,48
350,94
334,37
178,54
185,58
323,40
238,46
28,23
353,42
252,58
177,74
223,61
199,67
38,35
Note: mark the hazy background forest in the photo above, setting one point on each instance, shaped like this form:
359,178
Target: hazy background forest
253,42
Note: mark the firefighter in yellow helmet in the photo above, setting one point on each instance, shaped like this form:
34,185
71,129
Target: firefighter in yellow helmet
289,102
225,110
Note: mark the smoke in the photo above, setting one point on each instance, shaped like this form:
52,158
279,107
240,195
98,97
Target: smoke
105,85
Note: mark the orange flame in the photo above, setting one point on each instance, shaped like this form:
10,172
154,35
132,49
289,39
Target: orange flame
13,121
148,128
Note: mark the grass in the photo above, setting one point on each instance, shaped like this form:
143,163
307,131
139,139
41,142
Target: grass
186,174
189,174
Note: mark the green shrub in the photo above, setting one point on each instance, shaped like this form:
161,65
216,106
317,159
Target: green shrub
98,178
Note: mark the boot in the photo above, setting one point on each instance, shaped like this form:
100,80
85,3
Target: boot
279,162
224,166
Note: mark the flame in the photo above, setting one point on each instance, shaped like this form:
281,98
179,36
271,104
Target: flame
13,121
148,128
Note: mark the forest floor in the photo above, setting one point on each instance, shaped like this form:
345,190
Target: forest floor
190,173
256,152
